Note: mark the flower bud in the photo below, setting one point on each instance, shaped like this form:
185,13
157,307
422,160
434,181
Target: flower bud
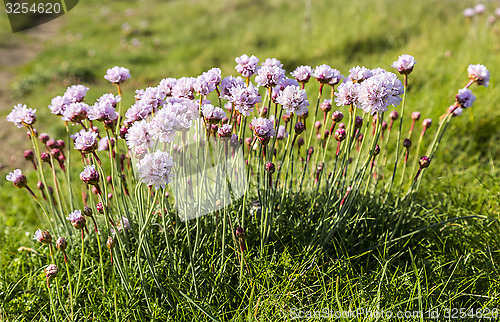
55,153
300,142
337,116
424,162
123,132
317,125
407,143
60,144
393,115
61,244
384,125
87,211
286,118
89,175
43,237
110,243
234,142
44,137
299,127
51,144
40,185
100,207
29,155
340,135
326,106
358,122
270,167
415,116
51,271
377,150
341,126
427,123
240,232
45,157
304,115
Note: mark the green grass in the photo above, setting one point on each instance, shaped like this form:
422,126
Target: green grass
451,265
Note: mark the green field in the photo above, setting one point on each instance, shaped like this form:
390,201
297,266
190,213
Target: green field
441,264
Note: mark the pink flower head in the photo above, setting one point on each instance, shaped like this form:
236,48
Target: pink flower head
293,100
76,93
213,75
225,131
347,94
379,91
89,175
272,62
227,83
43,237
139,111
479,74
17,178
77,219
76,112
323,73
156,169
465,98
184,88
302,73
269,76
203,86
480,8
282,133
281,86
104,109
22,115
359,73
117,75
337,77
404,64
51,271
86,141
244,98
469,12
415,116
166,86
262,127
213,114
58,104
246,66
139,135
